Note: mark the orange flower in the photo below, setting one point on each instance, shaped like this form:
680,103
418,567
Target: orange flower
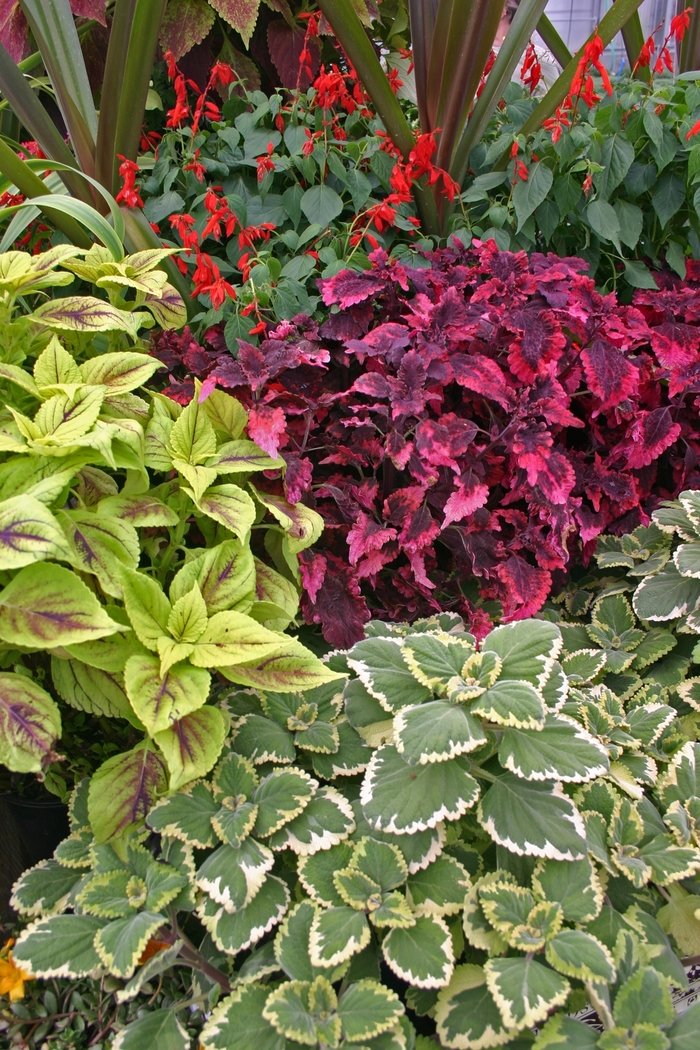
152,948
12,977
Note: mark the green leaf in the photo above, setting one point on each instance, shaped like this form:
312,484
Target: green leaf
436,731
336,935
186,816
238,1020
527,649
403,799
280,797
112,895
325,821
684,1030
511,703
120,943
46,605
321,204
562,750
578,954
159,1030
234,932
667,196
382,669
30,723
192,745
533,819
637,275
524,990
233,877
29,533
644,997
631,220
602,219
421,954
439,888
616,159
528,195
367,1009
666,595
123,790
43,889
61,946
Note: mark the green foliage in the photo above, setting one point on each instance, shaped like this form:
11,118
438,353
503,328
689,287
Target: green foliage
522,849
127,571
621,184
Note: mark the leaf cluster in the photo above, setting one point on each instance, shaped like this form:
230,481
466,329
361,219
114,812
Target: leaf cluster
125,546
481,421
456,815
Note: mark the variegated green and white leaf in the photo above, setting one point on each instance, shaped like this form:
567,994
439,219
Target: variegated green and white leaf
648,721
439,888
281,797
380,861
325,821
511,703
233,877
561,750
350,758
524,990
153,967
467,1016
436,731
316,873
533,819
421,954
574,885
238,1021
567,1033
336,935
60,946
234,932
290,1011
366,1009
435,659
120,943
380,665
527,649
682,778
579,954
583,665
43,889
186,816
292,943
403,799
669,862
262,740
160,1030
666,595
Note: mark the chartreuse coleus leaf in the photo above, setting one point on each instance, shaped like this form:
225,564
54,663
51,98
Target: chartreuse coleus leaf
123,790
192,744
160,699
225,576
561,750
233,932
90,689
43,889
295,667
232,877
436,731
524,990
466,1015
325,821
402,799
421,954
533,819
60,946
29,532
30,723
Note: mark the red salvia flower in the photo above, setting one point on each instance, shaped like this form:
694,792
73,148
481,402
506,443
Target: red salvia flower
129,193
265,163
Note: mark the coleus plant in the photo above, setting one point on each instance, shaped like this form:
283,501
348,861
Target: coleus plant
449,816
96,612
483,421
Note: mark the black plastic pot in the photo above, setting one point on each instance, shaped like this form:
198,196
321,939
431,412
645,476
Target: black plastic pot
30,830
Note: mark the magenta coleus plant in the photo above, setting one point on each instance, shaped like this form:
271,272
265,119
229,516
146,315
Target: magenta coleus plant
466,429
